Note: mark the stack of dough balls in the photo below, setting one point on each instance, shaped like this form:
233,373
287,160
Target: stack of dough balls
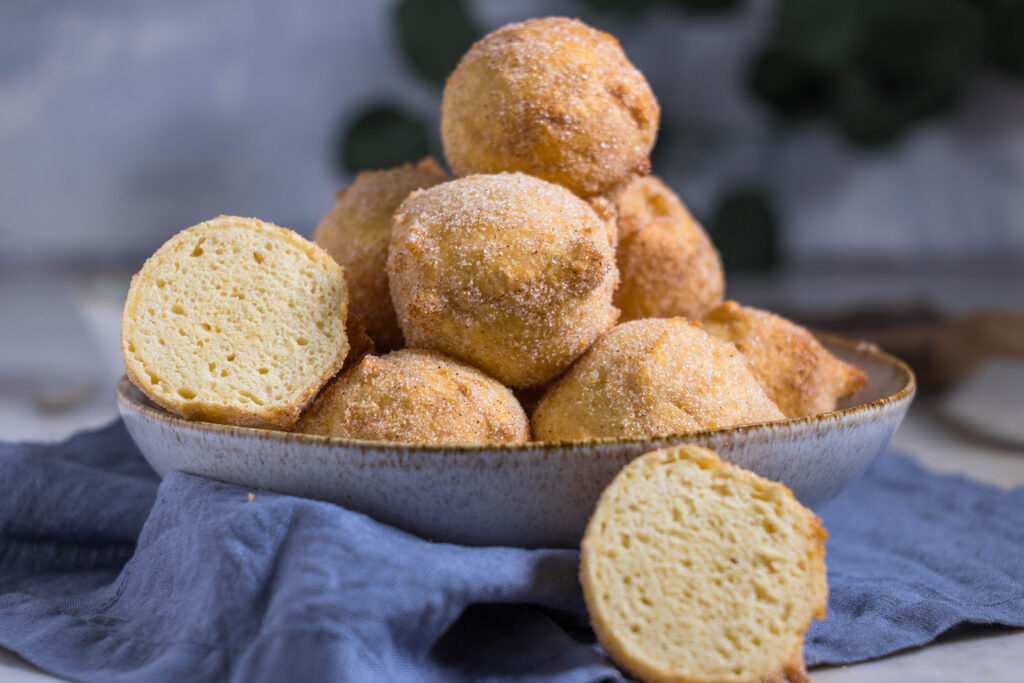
551,264
512,275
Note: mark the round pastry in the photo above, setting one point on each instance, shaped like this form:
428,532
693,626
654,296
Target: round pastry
796,371
550,97
652,377
235,321
667,263
696,570
507,272
416,396
356,232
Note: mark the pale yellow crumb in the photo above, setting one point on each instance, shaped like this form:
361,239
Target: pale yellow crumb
235,321
696,570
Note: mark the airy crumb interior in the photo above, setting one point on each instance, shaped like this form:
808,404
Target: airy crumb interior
234,315
708,572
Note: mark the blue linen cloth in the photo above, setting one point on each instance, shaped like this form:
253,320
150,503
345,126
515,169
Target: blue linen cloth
106,574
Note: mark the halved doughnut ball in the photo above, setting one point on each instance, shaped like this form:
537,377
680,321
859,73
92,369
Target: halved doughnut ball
696,570
235,321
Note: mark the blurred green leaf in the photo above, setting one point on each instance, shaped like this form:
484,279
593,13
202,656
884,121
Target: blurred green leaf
927,45
1006,31
382,136
744,230
876,66
866,115
1008,39
819,33
627,9
787,84
632,9
707,5
433,35
913,60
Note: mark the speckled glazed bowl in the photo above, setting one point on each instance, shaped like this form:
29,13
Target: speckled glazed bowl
533,495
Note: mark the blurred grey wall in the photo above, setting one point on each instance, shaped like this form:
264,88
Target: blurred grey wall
122,122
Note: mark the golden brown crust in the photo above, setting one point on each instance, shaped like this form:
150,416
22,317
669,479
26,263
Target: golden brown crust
798,373
416,396
193,345
356,232
554,98
652,377
507,272
667,263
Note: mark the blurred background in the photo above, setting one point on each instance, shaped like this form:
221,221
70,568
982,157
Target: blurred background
859,163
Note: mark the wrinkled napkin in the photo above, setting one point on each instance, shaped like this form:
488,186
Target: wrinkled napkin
107,574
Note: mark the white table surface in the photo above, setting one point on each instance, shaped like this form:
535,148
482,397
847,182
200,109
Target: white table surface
57,376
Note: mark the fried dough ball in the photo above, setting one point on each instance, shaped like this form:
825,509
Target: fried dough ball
356,232
652,377
507,272
550,97
416,396
796,371
667,263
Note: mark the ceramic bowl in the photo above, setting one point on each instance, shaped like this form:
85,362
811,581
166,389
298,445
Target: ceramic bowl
534,495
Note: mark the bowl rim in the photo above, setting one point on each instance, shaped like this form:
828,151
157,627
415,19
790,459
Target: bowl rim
909,387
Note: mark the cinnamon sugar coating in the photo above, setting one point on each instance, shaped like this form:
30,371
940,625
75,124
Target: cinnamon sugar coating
416,396
796,371
507,272
652,377
356,231
554,98
667,263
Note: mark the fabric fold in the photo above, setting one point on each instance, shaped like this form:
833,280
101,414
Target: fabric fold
107,574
